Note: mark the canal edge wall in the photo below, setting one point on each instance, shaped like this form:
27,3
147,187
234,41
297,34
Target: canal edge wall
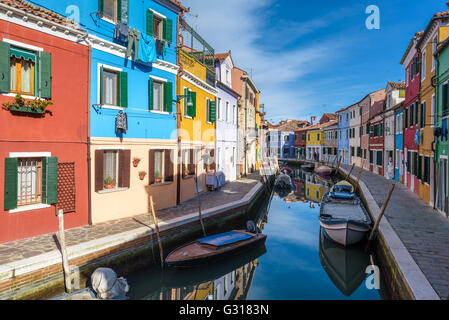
40,276
403,276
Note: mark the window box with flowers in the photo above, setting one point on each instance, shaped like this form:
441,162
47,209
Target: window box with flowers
19,104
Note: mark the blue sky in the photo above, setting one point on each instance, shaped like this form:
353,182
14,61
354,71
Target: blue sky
311,57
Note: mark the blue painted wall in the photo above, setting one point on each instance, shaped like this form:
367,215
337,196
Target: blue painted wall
398,141
343,135
141,123
287,144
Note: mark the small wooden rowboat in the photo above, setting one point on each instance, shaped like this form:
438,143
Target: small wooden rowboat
344,221
342,190
214,247
324,171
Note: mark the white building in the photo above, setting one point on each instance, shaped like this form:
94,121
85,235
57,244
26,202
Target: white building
226,118
355,134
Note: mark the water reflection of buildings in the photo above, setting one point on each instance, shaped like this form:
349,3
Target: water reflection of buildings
315,189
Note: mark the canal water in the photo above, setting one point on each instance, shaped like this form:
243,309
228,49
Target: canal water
296,263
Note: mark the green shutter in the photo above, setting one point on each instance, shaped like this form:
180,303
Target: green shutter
50,180
10,184
4,66
193,108
45,74
123,11
168,97
164,29
150,22
167,29
150,95
123,89
213,112
186,109
101,6
101,85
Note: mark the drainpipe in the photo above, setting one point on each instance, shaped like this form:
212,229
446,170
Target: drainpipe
434,145
246,127
180,40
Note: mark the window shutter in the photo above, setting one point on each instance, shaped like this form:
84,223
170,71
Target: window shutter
168,97
213,160
168,165
101,6
4,67
123,11
419,120
10,200
193,107
151,167
45,74
123,89
212,111
99,180
124,168
168,30
101,85
191,164
150,22
150,94
50,180
186,108
423,116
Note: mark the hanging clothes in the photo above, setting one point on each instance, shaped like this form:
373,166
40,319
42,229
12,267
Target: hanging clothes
417,137
133,44
121,122
160,47
147,49
121,32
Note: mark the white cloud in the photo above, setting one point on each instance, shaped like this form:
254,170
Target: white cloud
280,73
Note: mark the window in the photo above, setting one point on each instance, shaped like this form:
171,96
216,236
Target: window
422,119
113,87
234,114
409,162
110,86
159,27
160,166
426,177
189,111
227,111
115,10
434,49
352,151
110,169
445,98
379,158
397,159
423,64
22,72
24,183
371,156
286,138
432,111
158,96
218,108
318,137
227,76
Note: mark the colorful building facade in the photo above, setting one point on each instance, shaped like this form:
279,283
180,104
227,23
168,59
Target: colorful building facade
376,141
43,146
343,135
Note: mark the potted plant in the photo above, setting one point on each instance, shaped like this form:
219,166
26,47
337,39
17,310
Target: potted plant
142,175
157,177
109,183
19,104
136,162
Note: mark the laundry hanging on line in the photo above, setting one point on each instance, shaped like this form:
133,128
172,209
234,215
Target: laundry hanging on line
147,49
121,123
121,32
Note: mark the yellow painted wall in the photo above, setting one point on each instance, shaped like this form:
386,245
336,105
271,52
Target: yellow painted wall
311,192
191,65
313,141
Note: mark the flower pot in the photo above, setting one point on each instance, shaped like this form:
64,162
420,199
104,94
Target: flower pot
142,176
109,186
158,180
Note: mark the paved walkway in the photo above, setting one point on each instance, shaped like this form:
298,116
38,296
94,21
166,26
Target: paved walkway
27,248
423,231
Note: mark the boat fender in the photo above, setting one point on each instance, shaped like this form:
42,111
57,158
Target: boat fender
251,226
106,284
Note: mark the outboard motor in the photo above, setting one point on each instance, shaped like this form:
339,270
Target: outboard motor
251,226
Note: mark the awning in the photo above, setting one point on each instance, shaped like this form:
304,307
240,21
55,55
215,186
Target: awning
23,54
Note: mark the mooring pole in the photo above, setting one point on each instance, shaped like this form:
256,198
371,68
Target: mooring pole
382,211
65,260
349,173
161,251
199,205
338,164
360,172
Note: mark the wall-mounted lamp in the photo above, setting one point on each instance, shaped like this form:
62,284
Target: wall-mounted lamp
186,96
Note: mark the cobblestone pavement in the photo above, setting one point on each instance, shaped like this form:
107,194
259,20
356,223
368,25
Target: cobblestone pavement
27,248
423,231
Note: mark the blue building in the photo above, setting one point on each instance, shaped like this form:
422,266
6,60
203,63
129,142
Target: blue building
132,109
287,145
343,134
398,145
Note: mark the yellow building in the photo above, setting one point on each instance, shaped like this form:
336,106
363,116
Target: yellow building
435,33
197,94
314,142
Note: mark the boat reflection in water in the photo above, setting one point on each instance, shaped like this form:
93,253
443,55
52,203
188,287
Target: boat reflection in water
230,279
344,266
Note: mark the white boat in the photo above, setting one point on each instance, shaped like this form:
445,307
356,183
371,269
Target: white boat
344,221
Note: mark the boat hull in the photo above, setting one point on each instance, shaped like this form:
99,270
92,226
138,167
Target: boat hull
344,232
174,259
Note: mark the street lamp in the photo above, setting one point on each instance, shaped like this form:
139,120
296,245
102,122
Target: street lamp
185,96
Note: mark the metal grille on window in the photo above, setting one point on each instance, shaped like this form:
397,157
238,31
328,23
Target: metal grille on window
29,181
66,186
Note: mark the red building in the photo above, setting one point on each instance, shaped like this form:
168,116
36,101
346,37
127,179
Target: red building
43,149
328,117
300,143
376,137
411,63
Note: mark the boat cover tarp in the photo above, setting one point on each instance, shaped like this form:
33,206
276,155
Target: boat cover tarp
224,239
346,211
342,195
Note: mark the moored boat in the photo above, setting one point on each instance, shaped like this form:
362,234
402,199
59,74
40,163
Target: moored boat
308,167
324,170
213,248
344,221
342,190
284,181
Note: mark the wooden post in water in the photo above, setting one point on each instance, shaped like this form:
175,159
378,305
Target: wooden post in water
65,260
360,172
350,171
382,211
338,164
199,205
161,251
